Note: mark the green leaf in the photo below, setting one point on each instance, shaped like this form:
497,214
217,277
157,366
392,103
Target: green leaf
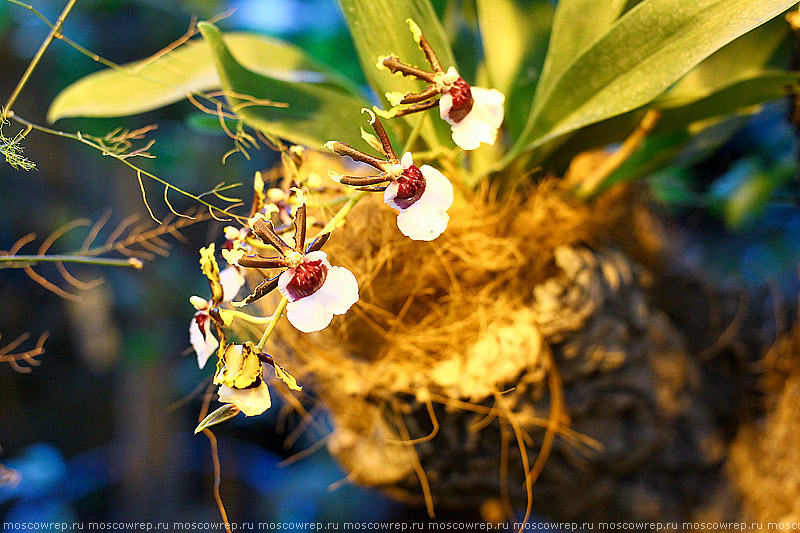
309,113
514,34
673,187
379,28
743,58
740,94
740,65
145,85
697,124
209,124
576,25
751,188
641,55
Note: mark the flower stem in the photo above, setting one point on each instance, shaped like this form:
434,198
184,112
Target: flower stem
56,29
250,318
272,323
338,217
122,159
9,261
412,137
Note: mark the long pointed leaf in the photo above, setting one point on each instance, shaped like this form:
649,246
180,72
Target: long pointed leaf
379,28
744,58
514,34
686,124
576,25
145,85
312,114
643,53
740,96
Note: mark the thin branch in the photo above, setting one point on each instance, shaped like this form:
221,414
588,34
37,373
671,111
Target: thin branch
56,29
21,261
28,356
122,158
591,183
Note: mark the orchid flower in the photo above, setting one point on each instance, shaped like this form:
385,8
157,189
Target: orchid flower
423,211
422,195
224,286
241,378
252,401
474,113
315,290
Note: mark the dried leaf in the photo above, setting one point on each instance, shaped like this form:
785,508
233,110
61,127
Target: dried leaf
287,378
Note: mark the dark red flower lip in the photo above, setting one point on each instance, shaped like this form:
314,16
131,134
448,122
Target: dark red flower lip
462,100
410,187
201,318
307,278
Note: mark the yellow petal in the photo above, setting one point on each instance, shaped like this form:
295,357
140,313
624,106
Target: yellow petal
242,367
232,256
226,316
287,378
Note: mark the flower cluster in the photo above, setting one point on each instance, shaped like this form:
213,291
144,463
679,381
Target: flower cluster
474,113
239,371
313,290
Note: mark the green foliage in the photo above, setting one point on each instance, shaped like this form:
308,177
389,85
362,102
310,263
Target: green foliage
743,58
640,56
578,77
576,25
743,193
732,82
514,35
301,112
152,83
379,28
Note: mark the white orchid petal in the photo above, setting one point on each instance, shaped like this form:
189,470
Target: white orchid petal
482,122
339,292
251,402
422,222
389,195
319,255
445,105
490,105
451,75
231,280
407,160
197,339
466,137
201,304
204,343
283,281
307,314
438,189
